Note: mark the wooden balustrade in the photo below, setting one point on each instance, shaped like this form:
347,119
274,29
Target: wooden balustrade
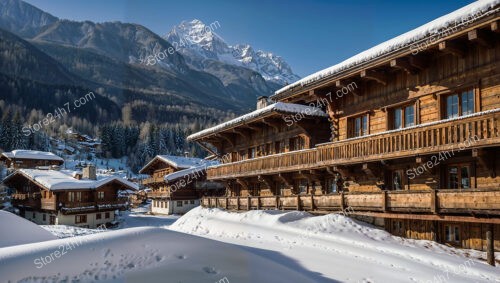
48,203
153,180
470,202
158,194
469,132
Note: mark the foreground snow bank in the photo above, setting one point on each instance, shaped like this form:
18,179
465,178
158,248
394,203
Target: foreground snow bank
143,255
337,247
16,230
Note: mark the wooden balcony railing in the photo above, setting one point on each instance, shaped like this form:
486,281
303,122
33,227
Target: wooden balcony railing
158,194
470,202
478,130
48,203
153,180
290,161
469,132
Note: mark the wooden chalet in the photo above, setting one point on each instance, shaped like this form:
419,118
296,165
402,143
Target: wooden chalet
410,141
177,183
49,197
21,158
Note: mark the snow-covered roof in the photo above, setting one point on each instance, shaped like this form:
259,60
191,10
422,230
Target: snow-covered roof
31,154
193,170
178,162
462,17
63,180
280,107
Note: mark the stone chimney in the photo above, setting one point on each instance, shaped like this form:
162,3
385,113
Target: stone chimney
262,101
89,172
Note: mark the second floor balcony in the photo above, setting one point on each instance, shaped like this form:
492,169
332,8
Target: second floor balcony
473,131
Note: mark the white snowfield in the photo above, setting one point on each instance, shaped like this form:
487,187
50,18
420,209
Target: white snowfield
17,231
261,246
339,248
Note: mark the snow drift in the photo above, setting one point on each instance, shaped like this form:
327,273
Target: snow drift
17,231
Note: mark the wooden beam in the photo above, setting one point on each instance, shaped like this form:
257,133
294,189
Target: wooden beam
451,218
273,123
243,183
419,62
482,37
345,84
379,77
253,128
200,143
228,139
452,47
243,133
266,180
403,64
285,179
371,170
495,26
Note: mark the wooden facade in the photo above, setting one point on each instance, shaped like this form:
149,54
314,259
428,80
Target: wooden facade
29,160
65,205
183,192
413,140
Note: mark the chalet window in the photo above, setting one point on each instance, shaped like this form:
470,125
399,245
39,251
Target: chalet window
279,147
252,152
191,202
459,176
100,195
98,216
302,186
452,233
403,117
34,215
106,215
185,202
80,219
71,196
397,227
297,143
398,180
358,126
243,155
459,104
179,203
44,216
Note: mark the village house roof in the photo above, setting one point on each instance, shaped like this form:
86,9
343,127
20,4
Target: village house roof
196,170
278,107
63,180
31,154
405,43
178,162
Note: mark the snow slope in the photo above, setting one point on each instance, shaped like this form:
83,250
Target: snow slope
337,247
20,231
143,255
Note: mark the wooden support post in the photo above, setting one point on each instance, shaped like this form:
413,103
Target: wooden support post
342,201
384,201
258,203
249,203
298,203
209,202
434,201
227,201
238,203
312,202
490,246
277,202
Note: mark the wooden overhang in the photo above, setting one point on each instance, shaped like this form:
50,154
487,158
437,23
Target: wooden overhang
482,31
273,118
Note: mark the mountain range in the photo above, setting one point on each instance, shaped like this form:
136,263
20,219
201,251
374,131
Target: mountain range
205,81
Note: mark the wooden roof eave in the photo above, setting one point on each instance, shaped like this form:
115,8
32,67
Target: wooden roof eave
378,62
210,137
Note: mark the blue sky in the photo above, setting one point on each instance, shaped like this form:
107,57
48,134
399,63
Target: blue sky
309,34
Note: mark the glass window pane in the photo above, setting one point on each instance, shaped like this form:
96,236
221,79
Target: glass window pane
365,125
409,116
465,177
357,127
447,233
457,234
396,180
397,118
452,106
453,177
468,102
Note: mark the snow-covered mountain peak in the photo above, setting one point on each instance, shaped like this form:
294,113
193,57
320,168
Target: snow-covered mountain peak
201,42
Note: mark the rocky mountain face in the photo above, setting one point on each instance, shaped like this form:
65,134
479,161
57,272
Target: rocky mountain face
202,45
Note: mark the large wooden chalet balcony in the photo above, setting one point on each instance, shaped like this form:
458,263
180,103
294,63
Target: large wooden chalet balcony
153,180
463,202
473,131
